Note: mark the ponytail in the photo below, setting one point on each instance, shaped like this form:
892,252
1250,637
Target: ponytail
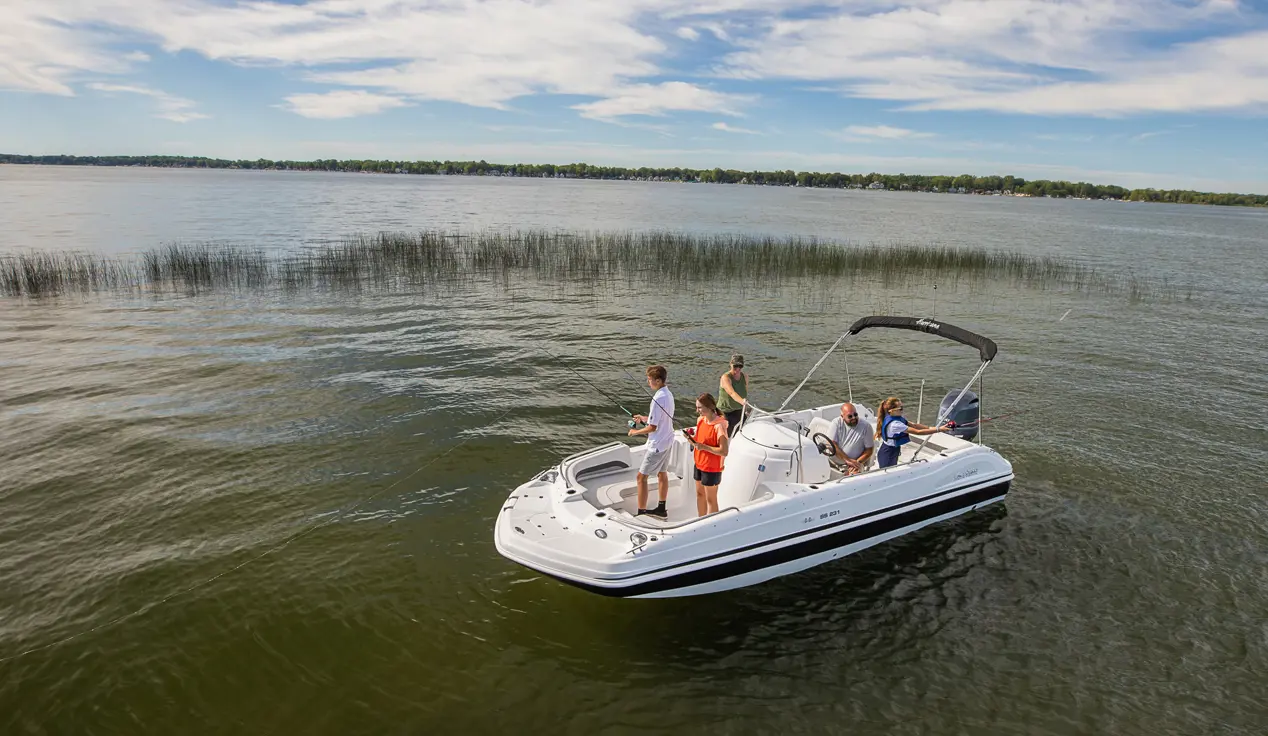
882,413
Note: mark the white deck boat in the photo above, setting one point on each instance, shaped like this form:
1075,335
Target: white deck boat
784,507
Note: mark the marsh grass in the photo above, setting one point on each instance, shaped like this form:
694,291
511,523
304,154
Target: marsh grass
203,267
434,259
41,274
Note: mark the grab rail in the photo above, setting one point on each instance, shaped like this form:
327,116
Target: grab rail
634,519
638,547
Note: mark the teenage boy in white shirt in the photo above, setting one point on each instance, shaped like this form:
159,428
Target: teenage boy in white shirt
660,440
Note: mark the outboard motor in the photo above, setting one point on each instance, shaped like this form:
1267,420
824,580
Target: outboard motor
965,414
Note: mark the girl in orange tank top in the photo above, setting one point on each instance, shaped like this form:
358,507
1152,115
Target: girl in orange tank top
710,445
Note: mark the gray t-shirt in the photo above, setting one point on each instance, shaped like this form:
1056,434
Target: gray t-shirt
852,440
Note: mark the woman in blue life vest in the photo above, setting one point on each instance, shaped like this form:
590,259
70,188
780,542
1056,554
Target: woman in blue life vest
894,431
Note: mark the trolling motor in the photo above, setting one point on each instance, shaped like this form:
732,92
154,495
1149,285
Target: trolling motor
963,416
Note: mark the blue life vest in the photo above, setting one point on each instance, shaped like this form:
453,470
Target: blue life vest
899,439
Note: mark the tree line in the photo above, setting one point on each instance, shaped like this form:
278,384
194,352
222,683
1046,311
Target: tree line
964,183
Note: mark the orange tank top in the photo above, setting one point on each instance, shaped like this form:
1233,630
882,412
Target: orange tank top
707,434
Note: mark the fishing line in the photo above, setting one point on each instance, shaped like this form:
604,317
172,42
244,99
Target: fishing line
605,394
673,422
284,543
990,419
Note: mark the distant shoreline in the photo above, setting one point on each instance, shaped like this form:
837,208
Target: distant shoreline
994,185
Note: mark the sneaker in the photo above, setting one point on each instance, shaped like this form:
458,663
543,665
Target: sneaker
641,512
659,512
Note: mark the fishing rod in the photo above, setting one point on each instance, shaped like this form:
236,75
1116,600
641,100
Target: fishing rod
990,419
603,393
632,424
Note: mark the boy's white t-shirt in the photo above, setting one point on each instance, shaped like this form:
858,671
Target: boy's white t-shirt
661,414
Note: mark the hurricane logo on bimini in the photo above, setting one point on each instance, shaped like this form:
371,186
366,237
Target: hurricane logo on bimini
928,323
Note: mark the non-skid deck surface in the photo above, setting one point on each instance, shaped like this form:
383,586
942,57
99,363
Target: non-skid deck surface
680,504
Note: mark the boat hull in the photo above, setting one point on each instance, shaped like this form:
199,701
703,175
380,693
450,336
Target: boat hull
783,555
798,555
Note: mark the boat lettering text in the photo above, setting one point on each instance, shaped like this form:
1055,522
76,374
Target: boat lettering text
928,323
966,474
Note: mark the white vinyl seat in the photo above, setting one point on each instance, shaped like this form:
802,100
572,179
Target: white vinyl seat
819,425
613,493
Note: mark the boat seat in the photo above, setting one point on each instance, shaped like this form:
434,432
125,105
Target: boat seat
819,425
608,468
613,493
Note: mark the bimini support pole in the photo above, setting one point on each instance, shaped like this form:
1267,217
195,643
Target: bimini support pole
812,372
981,381
941,418
848,385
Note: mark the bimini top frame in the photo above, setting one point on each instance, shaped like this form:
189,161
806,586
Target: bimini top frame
985,347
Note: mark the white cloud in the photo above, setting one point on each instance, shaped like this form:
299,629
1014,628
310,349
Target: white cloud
43,56
523,129
718,31
136,56
1086,57
343,103
476,52
1065,137
724,127
169,107
657,99
1043,57
883,131
1219,74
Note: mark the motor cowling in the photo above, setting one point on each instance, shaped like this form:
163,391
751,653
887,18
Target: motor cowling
965,414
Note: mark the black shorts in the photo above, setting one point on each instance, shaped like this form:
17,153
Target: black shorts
707,478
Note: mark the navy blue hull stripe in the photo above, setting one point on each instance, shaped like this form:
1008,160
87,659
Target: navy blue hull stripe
803,532
797,551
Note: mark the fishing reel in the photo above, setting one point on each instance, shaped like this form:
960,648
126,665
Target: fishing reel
634,425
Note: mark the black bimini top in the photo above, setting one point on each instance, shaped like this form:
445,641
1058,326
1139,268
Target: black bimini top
985,346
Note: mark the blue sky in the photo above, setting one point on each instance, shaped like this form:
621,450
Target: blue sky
1168,93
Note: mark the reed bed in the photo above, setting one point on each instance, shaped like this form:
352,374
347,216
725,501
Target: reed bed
40,274
435,258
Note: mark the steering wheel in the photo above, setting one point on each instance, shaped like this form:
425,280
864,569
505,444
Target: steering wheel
827,446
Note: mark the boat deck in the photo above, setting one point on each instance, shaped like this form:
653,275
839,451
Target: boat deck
618,492
614,488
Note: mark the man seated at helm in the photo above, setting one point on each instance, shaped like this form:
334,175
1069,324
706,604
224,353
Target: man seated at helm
855,441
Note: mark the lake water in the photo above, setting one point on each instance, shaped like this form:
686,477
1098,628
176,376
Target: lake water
157,452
